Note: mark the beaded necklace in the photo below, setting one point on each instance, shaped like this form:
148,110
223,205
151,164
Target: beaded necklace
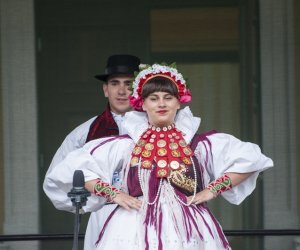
167,147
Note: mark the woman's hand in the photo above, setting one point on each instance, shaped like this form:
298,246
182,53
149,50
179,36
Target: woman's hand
126,201
203,196
207,195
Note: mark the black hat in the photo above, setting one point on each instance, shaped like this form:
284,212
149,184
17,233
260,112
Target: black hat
120,64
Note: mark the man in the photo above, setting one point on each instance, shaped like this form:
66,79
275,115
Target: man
117,79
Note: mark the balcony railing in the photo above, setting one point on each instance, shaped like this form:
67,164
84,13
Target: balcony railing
241,233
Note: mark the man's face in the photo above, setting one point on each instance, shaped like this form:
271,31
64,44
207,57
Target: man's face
116,89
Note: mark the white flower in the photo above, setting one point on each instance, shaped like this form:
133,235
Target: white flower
154,70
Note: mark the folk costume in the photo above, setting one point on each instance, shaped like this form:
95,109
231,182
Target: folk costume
103,125
168,223
161,167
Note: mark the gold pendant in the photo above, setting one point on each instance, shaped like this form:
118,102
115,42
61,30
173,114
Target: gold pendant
182,143
175,153
137,150
146,153
174,165
161,143
162,152
173,145
187,160
134,161
187,151
149,146
162,173
141,143
146,164
162,163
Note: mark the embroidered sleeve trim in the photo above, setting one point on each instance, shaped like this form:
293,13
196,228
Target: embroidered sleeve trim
105,190
220,185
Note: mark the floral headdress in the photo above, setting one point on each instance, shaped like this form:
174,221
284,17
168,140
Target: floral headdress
147,72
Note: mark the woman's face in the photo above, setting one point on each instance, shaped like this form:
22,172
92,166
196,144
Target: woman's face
161,108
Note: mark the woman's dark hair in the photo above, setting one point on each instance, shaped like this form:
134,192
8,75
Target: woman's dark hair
159,84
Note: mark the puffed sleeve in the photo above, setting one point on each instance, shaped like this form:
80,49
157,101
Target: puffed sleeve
229,154
74,140
97,159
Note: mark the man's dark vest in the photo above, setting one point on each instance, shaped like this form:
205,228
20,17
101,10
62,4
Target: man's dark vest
103,125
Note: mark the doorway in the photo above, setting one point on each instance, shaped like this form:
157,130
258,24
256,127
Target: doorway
207,39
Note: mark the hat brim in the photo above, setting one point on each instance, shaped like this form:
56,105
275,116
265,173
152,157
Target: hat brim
102,77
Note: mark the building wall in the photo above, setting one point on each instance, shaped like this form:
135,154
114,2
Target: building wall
297,82
280,59
19,124
279,109
1,154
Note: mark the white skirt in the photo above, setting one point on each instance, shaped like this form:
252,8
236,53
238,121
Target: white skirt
126,231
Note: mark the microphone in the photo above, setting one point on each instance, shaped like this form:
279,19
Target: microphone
78,193
78,179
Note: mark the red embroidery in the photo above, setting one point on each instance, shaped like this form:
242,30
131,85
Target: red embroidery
164,146
105,190
220,185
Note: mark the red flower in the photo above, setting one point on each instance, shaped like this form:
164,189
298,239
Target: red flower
186,97
136,103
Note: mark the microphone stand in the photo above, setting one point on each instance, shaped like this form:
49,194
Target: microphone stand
78,197
76,227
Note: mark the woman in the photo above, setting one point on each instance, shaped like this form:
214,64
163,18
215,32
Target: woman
169,172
